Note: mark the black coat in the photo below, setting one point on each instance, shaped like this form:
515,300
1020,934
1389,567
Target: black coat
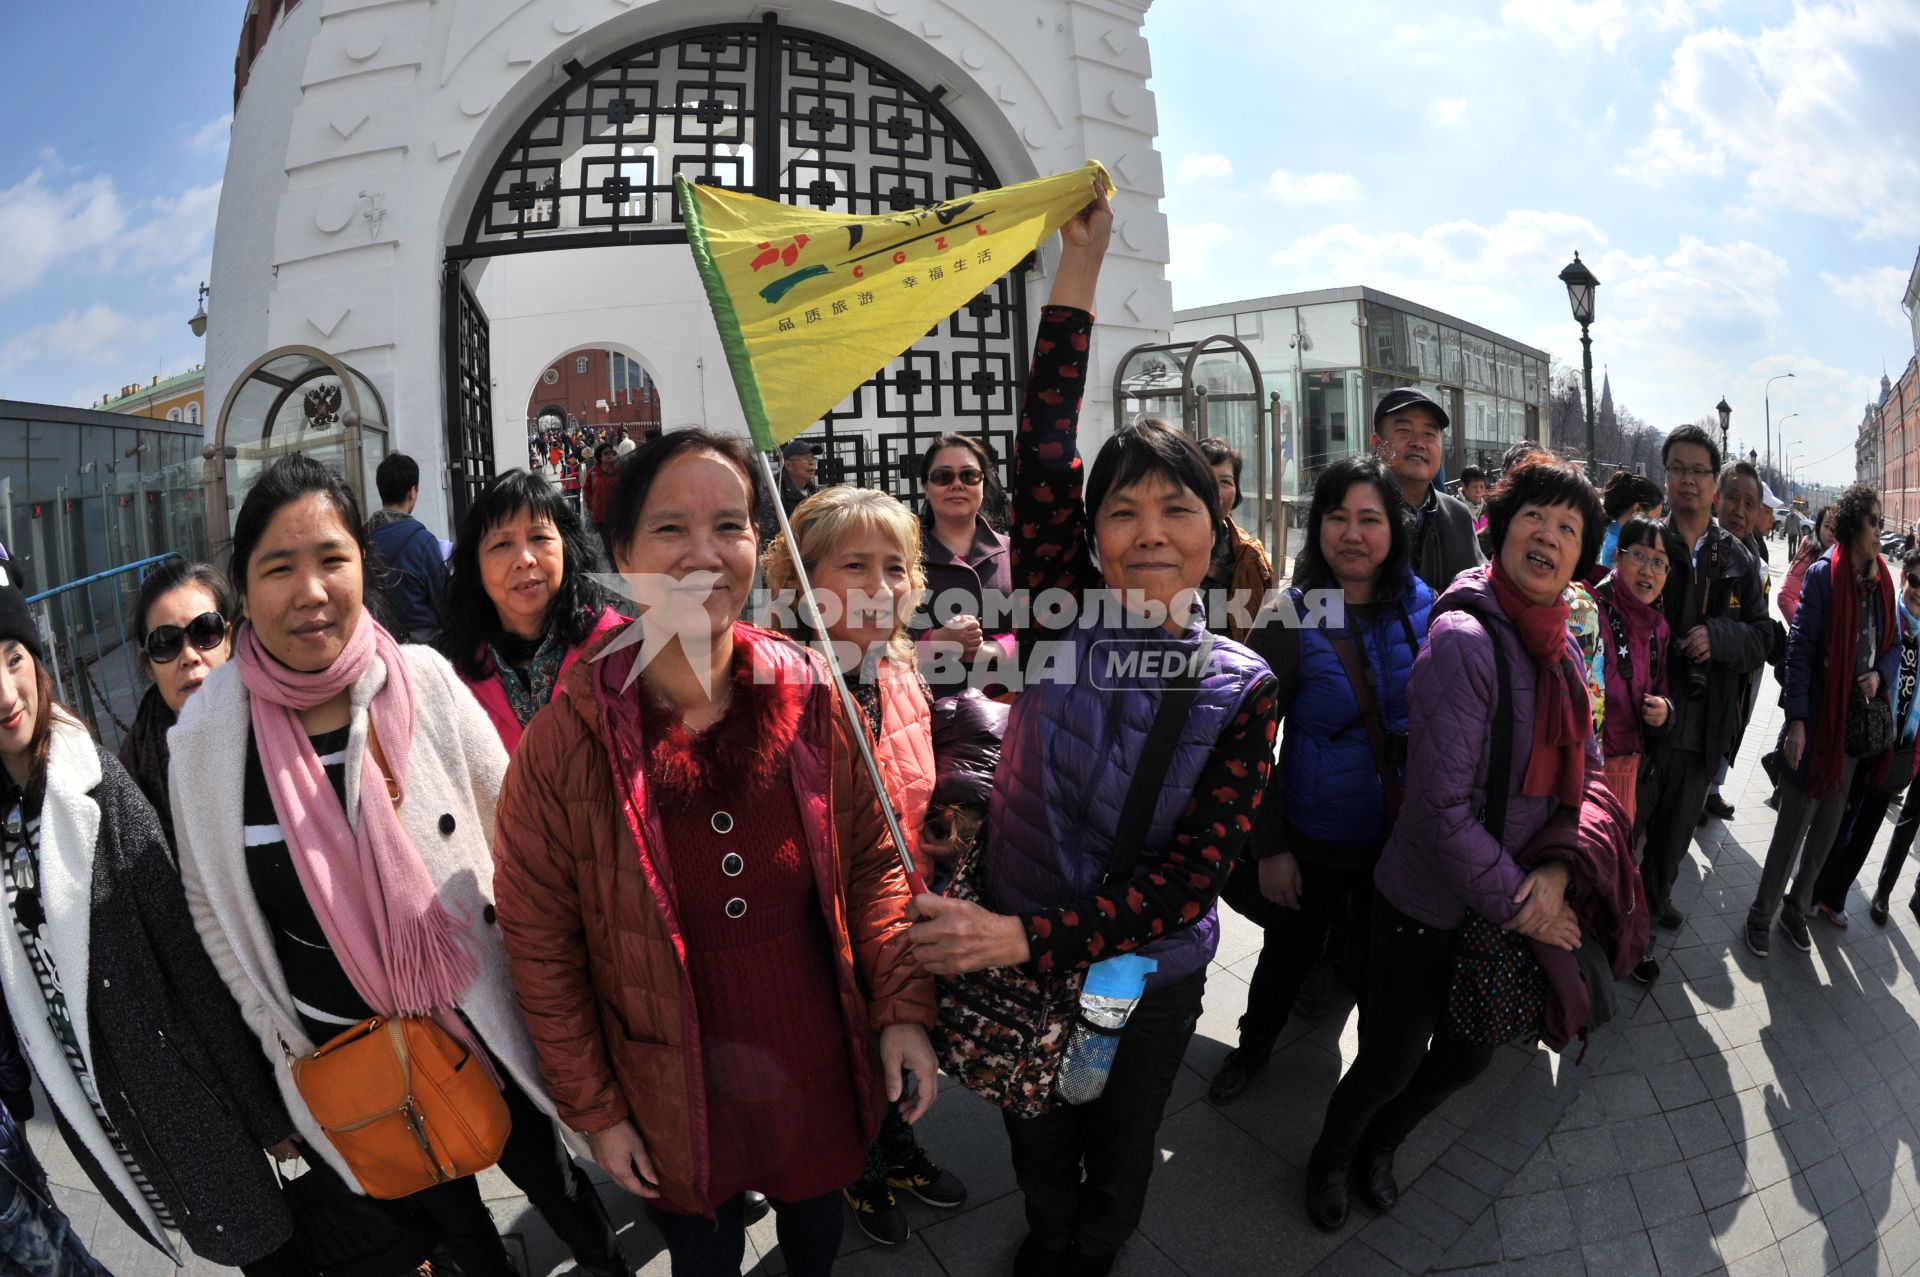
1735,613
177,1069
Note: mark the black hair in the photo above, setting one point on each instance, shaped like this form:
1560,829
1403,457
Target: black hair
1219,452
602,450
292,477
1133,453
1910,560
164,578
1546,480
1640,530
1694,434
1311,570
1850,510
398,475
1472,474
644,464
1625,490
1744,469
993,494
1516,453
468,618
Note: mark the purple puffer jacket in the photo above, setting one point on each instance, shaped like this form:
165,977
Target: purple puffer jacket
1440,863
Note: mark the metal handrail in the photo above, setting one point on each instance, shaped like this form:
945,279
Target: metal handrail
101,576
97,688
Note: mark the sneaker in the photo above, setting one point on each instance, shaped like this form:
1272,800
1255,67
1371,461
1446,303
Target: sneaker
1879,910
1670,917
1241,1066
1647,972
1719,808
877,1212
936,1187
1758,936
1838,917
1795,925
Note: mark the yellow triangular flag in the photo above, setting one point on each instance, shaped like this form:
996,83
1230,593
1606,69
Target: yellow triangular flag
811,304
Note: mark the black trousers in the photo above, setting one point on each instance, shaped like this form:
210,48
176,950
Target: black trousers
1903,832
1402,1072
1294,938
539,1166
1083,1168
1671,801
809,1233
1852,843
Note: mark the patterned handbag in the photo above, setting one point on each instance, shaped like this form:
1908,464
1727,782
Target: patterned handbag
1002,1032
1869,725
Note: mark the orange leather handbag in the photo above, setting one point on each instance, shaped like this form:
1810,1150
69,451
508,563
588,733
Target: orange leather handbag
405,1104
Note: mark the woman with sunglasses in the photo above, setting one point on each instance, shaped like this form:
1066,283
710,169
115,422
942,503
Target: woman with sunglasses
158,1088
181,623
966,558
336,830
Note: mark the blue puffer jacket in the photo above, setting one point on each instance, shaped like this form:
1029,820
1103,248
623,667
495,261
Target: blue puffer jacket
1071,749
1329,785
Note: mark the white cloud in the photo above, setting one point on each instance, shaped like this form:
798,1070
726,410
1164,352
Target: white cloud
98,336
212,136
1815,113
1313,188
1203,168
1447,112
1193,245
1876,292
1570,23
44,226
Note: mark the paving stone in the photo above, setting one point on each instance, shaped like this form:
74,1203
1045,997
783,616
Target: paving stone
1646,1142
1740,1228
1849,1229
1540,1173
1480,1244
1665,1194
1685,1247
1699,1129
1625,1096
1430,1219
1677,1085
1454,1193
1765,1262
1475,1170
1625,1255
1719,1177
1585,1155
1832,1184
1790,1206
1766,1159
1564,1263
1603,1208
1404,1247
1808,1252
1536,1224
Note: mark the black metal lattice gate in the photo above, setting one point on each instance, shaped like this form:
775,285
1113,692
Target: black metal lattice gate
469,391
783,114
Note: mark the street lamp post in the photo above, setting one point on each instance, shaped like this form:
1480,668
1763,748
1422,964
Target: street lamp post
198,323
1767,396
1580,284
1726,418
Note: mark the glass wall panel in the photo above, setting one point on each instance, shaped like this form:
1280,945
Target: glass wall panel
1333,339
1450,356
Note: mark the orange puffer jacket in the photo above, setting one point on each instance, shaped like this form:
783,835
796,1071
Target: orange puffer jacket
587,915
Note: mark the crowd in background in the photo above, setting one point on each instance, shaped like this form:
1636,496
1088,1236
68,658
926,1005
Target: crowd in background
639,887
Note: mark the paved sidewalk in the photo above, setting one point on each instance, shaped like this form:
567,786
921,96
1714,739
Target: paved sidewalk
1747,1115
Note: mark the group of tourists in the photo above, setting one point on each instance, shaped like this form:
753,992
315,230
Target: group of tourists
640,895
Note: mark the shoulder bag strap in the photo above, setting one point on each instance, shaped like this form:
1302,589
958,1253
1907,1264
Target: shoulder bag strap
1136,814
1493,802
380,761
1390,781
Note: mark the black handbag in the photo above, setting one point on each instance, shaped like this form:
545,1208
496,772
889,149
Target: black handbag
339,1233
1869,726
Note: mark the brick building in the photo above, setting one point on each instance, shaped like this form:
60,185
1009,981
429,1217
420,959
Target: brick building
1900,447
596,388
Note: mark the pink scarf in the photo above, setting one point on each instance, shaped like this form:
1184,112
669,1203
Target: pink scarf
403,951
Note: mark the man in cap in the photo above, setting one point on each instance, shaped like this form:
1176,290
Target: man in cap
1409,435
798,461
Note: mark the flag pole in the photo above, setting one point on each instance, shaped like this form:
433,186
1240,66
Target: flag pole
811,611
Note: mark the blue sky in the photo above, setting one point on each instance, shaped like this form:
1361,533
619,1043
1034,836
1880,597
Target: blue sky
1743,178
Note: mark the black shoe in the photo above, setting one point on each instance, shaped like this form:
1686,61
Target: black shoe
1079,1265
1670,917
1647,971
1316,992
755,1208
1758,936
1797,931
1035,1260
1241,1066
1719,808
876,1211
936,1187
1877,910
1377,1185
1770,764
1327,1200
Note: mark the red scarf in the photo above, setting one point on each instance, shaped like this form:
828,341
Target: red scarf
1562,716
1827,747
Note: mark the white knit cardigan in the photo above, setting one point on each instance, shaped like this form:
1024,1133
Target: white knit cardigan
452,779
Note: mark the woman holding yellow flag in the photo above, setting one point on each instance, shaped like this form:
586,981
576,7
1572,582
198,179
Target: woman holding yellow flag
1143,534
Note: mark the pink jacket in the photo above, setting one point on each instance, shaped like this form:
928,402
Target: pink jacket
493,696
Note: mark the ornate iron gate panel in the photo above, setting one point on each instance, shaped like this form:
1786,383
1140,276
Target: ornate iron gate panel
787,115
469,393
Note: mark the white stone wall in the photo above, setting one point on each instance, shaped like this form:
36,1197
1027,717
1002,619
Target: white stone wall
367,127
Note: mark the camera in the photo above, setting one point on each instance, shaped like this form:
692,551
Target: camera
1696,680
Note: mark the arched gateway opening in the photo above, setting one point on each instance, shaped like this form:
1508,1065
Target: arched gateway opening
759,107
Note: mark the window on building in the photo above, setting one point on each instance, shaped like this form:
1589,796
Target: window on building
173,414
580,366
193,414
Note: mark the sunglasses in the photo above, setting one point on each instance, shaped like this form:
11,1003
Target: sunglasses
1913,580
946,477
205,631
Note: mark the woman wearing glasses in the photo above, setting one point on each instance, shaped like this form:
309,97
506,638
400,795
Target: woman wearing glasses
160,1091
966,556
181,623
1635,637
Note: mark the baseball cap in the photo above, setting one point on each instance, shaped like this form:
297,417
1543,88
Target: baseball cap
799,448
1407,397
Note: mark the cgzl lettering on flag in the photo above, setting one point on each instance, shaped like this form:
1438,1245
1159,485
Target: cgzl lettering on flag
811,304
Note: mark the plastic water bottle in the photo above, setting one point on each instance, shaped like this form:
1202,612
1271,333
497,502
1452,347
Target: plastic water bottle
1112,990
